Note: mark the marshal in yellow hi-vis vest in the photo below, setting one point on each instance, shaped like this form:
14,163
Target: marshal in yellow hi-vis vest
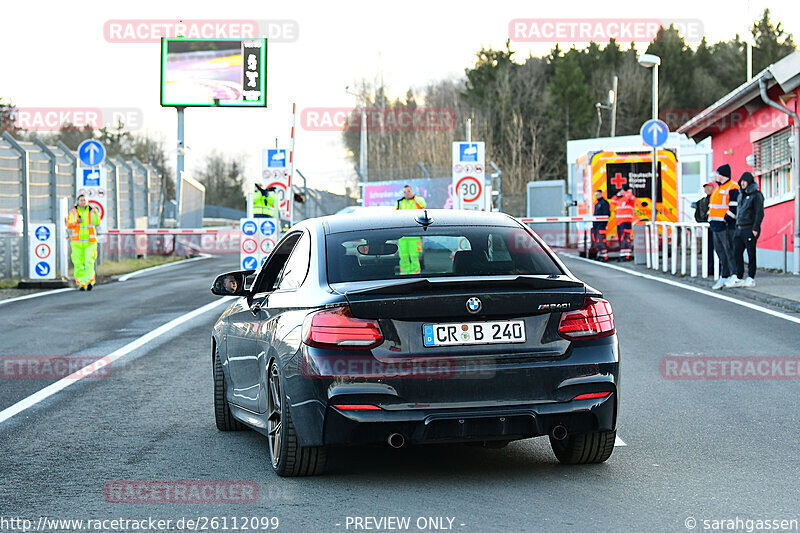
410,247
81,222
264,202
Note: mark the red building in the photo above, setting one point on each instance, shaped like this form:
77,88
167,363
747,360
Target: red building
751,135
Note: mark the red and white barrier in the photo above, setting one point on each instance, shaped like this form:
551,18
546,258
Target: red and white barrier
582,218
160,231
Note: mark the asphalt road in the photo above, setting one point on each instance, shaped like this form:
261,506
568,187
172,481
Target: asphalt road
701,449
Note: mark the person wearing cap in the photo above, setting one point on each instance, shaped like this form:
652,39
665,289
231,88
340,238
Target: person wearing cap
722,219
701,215
748,228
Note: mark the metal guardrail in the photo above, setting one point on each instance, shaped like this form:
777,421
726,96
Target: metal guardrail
35,177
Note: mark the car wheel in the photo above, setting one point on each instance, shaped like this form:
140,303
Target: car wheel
222,412
584,448
288,459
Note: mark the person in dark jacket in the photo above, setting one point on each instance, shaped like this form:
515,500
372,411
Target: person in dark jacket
701,215
748,228
601,209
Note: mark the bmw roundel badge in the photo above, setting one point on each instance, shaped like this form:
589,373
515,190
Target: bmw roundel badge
474,305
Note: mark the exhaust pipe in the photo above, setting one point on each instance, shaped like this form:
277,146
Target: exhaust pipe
559,432
396,440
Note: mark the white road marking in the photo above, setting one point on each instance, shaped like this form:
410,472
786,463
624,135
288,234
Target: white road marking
130,275
65,382
34,295
692,288
619,442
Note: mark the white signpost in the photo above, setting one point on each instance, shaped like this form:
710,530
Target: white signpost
90,178
249,253
259,236
469,176
42,251
275,173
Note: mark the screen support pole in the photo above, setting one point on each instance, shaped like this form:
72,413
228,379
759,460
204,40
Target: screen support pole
180,166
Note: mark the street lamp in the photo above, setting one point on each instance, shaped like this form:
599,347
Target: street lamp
648,61
362,156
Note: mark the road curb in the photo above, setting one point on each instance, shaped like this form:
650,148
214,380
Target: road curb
744,294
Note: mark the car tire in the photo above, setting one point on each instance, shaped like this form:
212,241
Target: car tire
584,448
222,411
288,459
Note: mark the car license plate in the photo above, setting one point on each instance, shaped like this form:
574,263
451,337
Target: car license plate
506,331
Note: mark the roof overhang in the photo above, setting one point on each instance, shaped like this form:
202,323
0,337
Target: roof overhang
785,73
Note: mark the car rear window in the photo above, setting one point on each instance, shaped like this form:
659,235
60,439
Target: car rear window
437,252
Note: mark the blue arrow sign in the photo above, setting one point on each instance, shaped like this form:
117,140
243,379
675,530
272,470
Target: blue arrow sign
249,228
42,233
42,269
91,153
654,133
268,227
249,263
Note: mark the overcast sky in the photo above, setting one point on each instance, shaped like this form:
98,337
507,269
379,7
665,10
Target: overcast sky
54,54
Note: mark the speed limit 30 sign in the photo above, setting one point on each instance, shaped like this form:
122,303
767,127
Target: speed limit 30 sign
468,176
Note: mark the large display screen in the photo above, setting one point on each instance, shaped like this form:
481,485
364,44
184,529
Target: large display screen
213,72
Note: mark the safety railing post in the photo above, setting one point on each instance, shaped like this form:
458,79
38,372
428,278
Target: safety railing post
664,247
716,264
704,251
684,232
647,256
676,232
655,246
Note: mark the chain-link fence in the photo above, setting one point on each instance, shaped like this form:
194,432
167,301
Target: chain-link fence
34,176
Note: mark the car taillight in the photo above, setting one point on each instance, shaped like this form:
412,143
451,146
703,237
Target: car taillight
593,320
337,328
591,396
357,407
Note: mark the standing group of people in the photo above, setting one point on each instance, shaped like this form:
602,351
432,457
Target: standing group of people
734,212
624,203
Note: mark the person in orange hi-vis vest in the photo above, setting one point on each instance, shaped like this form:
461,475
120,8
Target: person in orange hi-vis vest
81,222
624,203
722,207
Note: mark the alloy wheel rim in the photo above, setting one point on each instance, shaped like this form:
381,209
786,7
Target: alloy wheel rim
274,426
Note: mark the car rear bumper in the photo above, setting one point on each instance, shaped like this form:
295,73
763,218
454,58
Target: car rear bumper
516,400
423,425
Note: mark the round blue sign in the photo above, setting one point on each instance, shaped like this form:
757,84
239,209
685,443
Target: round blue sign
42,269
268,227
42,233
654,133
91,153
250,263
249,228
264,259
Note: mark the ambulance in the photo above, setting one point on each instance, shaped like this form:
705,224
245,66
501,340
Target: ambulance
609,170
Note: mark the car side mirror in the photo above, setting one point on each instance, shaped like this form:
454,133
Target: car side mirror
231,283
